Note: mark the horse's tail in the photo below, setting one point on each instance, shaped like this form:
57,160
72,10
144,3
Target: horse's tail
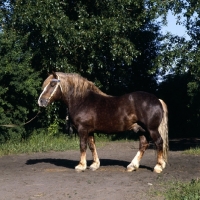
163,130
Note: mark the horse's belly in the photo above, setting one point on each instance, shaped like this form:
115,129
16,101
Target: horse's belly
115,124
109,128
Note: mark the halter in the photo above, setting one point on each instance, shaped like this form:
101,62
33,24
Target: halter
55,80
58,84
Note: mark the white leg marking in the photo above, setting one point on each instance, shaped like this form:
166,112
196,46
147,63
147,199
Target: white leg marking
81,167
82,164
134,163
158,169
95,165
161,164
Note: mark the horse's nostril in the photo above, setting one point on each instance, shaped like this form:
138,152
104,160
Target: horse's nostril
42,102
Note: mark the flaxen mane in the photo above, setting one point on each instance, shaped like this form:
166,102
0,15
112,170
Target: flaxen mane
79,84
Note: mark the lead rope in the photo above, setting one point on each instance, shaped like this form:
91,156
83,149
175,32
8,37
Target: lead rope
15,125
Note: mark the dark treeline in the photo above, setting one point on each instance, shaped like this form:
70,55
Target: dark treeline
116,44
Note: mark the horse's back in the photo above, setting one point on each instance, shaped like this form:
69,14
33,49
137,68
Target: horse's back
139,102
144,99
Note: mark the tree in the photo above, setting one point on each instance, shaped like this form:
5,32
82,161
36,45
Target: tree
180,58
18,83
97,39
113,43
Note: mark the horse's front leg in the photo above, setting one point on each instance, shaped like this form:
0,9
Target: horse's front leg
91,143
83,147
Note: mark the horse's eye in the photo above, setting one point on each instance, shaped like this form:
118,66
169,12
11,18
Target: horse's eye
53,83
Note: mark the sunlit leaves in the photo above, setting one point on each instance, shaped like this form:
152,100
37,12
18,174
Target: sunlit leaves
110,42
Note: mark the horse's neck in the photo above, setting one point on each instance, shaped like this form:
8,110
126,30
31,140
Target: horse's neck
75,100
75,94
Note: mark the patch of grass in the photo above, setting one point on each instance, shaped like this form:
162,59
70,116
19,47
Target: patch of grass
193,151
39,143
175,190
184,191
45,143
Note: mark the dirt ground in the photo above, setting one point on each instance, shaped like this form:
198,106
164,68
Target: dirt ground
51,176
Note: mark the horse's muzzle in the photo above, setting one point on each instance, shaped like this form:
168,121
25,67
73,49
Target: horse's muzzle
43,102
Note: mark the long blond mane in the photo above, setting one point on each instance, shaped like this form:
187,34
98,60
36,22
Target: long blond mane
79,84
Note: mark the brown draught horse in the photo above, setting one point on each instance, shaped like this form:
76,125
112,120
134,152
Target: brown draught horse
92,111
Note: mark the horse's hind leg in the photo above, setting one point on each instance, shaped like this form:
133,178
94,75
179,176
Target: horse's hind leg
134,165
91,143
159,145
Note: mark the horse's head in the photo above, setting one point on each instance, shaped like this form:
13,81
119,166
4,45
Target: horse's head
52,90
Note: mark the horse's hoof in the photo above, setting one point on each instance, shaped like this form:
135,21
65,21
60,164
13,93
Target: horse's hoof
131,168
94,166
80,168
157,169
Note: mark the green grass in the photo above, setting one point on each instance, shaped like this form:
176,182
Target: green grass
39,143
184,191
176,190
45,143
193,151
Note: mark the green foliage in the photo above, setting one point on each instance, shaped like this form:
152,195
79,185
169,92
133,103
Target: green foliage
101,40
193,151
184,191
113,43
181,57
18,85
116,44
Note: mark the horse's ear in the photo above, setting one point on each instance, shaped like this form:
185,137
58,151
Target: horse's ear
54,75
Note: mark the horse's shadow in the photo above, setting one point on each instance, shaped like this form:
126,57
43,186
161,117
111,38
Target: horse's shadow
70,164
